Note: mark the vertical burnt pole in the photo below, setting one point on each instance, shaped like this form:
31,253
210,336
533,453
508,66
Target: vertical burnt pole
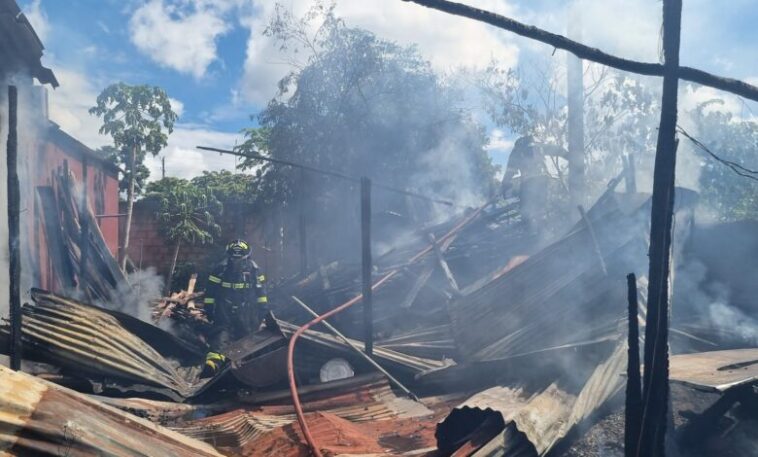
630,175
633,410
575,102
655,379
368,304
85,229
14,200
302,233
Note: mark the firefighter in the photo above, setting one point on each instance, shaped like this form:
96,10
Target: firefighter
528,158
235,301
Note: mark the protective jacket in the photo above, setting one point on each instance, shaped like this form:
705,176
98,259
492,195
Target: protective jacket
235,297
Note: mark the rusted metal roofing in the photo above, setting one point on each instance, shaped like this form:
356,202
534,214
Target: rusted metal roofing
716,370
41,418
88,340
339,407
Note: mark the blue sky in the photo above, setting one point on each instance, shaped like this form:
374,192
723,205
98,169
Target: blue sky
212,59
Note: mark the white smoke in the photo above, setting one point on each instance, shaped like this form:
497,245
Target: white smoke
134,296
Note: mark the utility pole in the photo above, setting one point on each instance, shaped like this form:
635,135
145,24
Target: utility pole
368,305
575,91
655,378
163,167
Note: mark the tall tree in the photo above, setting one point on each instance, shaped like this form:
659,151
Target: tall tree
363,106
139,119
186,216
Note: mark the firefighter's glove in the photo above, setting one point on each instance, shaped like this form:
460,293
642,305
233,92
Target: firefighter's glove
214,362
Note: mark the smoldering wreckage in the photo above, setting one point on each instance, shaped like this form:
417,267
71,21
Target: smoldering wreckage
485,338
523,353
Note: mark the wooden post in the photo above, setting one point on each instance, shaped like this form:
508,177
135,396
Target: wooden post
655,380
14,201
368,311
85,229
575,102
630,175
633,410
302,233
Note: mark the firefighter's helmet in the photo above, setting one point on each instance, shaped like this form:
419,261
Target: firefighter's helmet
238,249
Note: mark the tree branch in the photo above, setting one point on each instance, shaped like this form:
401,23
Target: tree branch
585,52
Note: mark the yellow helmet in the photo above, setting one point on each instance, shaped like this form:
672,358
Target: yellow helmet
238,249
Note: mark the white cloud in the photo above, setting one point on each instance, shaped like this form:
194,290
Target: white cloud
69,105
447,41
692,95
628,29
182,35
38,19
177,106
184,160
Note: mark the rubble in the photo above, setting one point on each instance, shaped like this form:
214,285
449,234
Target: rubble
524,358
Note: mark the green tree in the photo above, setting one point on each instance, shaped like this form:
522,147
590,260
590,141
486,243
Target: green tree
362,106
135,117
621,115
186,215
727,195
119,157
230,188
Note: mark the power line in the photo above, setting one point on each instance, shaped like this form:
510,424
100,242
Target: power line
328,173
734,166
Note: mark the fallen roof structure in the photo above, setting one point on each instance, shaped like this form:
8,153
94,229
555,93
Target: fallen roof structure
535,334
41,418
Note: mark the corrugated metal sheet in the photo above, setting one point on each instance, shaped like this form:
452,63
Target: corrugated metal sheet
392,359
365,400
716,370
542,420
558,296
41,418
90,341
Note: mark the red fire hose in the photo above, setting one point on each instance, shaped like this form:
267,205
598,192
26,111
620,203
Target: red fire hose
291,350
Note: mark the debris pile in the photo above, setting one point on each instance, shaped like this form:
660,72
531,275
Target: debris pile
511,344
181,306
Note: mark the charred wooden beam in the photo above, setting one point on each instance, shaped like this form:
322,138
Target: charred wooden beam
302,232
14,202
585,52
593,237
84,238
655,380
633,409
368,302
445,267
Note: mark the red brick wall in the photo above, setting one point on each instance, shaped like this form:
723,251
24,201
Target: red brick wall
148,248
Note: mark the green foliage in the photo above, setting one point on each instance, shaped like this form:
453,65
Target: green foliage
728,195
187,213
135,117
621,115
362,106
119,157
158,189
230,188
